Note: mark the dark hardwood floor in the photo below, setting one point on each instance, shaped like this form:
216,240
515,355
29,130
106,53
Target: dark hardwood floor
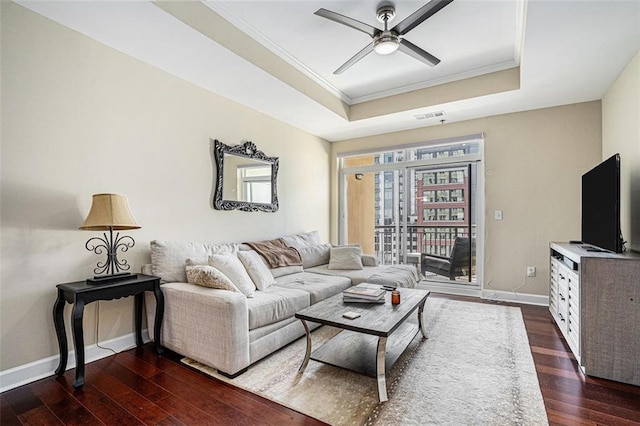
139,387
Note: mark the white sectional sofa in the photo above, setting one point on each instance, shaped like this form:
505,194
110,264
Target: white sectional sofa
229,330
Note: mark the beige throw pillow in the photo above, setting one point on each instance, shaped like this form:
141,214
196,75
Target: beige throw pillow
345,257
256,268
314,255
230,265
208,276
369,260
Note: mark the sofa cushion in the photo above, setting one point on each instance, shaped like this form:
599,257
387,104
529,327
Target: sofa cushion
168,257
318,286
314,255
305,239
286,270
345,257
401,275
258,271
231,266
356,276
208,276
275,304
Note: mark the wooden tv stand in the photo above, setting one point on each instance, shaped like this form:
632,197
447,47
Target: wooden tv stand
594,298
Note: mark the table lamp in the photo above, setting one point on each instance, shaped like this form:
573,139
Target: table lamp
110,212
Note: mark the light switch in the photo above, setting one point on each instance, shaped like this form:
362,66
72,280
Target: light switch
498,214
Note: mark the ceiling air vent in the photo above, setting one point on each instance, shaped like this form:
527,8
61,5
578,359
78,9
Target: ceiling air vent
436,114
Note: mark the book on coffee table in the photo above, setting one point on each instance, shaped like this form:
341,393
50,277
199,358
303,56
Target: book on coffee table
348,299
364,292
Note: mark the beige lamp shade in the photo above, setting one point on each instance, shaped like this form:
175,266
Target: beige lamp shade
109,211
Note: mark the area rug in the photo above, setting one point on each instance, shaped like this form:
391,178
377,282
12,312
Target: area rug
475,368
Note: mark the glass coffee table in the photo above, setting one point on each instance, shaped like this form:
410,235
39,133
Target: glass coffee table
371,343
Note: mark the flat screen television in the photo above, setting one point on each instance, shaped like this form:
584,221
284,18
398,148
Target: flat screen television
601,206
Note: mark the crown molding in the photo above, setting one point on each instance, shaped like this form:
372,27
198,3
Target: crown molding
235,20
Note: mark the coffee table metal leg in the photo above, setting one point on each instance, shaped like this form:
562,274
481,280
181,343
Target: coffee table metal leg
421,323
307,355
380,369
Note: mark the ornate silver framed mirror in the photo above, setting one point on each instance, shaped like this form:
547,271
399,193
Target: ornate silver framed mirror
246,178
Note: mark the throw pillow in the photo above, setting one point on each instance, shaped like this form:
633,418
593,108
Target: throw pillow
230,265
208,276
369,260
345,257
256,269
314,255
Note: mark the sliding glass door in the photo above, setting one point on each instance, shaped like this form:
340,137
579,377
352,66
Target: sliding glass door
415,206
444,230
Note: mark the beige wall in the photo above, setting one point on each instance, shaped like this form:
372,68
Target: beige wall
621,134
79,118
533,166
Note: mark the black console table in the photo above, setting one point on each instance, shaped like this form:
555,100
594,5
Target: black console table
80,294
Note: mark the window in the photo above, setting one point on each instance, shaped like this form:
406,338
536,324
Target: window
457,214
429,214
457,176
428,179
443,177
456,195
423,196
443,214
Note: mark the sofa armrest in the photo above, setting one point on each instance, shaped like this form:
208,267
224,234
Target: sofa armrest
208,325
369,260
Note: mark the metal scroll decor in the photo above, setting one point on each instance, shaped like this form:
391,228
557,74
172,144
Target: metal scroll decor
108,244
246,178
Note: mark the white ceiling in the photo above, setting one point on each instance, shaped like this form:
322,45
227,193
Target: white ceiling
458,35
568,51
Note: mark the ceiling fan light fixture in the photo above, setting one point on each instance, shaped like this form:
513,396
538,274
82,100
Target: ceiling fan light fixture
387,41
386,44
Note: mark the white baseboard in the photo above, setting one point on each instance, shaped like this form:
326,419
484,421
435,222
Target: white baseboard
475,291
451,288
27,373
511,296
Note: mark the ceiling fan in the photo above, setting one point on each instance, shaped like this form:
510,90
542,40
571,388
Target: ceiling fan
387,40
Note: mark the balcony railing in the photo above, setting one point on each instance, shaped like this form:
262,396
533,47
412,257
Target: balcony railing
420,239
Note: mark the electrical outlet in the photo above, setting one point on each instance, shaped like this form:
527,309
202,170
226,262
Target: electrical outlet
531,271
498,214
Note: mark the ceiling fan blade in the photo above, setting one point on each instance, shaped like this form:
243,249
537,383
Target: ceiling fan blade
417,53
349,22
420,15
358,56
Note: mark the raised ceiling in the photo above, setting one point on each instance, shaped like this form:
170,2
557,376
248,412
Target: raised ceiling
458,34
278,57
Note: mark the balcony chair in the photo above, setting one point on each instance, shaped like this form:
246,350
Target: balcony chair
457,264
